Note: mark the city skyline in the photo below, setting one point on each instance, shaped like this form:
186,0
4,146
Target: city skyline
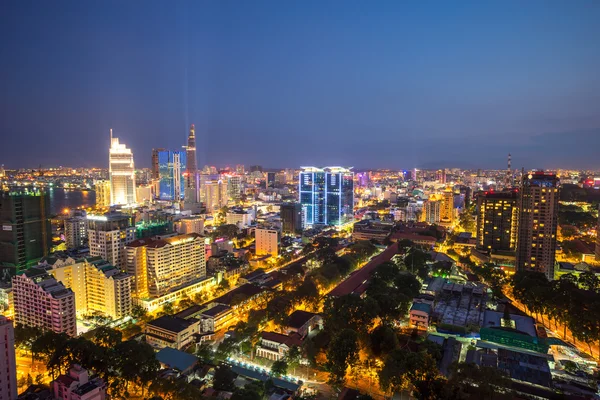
444,85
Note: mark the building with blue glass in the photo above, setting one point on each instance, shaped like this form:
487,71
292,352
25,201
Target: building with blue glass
327,195
171,175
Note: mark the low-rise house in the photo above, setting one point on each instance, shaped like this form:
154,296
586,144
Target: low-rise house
215,318
177,359
274,346
76,385
419,315
303,322
171,331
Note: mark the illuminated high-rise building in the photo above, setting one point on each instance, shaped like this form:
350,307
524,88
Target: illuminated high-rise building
327,195
191,185
102,189
107,236
497,221
155,171
538,221
431,211
76,230
291,218
598,239
214,194
234,188
122,173
8,363
447,208
172,174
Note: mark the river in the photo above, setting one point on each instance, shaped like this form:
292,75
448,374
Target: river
61,199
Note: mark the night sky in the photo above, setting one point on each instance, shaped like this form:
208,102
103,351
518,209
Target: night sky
288,83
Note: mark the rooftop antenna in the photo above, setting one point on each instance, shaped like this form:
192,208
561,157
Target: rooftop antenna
111,136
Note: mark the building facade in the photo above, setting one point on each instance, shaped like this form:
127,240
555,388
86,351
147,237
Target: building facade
267,242
155,172
447,208
98,287
77,385
122,173
107,236
102,189
171,171
25,231
40,300
8,363
497,220
76,231
191,171
538,221
162,266
291,218
214,194
327,195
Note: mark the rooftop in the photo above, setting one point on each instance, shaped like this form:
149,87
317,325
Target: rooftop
177,359
299,318
423,307
216,310
172,323
524,324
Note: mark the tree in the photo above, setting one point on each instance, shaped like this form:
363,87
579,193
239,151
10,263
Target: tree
403,370
167,308
205,352
589,281
279,368
383,340
341,354
293,357
138,312
107,337
408,284
349,312
226,348
471,381
223,378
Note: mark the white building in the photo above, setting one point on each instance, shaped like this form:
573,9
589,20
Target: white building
241,218
193,224
76,231
122,173
107,236
98,287
234,188
267,241
8,365
165,265
40,300
214,194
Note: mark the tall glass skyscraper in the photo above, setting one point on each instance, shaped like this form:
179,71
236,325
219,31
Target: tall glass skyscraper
122,173
327,195
171,172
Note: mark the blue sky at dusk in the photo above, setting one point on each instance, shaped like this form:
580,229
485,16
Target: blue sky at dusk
287,83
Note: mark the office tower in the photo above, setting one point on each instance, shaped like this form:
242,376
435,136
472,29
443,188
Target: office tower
76,230
256,168
98,286
538,220
234,188
267,242
122,173
8,362
441,176
26,234
40,300
102,189
155,170
270,181
447,208
291,218
497,221
107,236
172,170
327,195
214,194
191,186
162,266
432,211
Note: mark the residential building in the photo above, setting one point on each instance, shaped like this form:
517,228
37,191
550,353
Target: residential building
420,314
76,230
447,208
122,173
291,218
267,242
239,217
77,385
538,221
107,236
234,188
275,346
102,189
40,300
432,211
26,234
171,331
98,287
327,195
165,265
214,194
370,229
8,363
497,220
171,175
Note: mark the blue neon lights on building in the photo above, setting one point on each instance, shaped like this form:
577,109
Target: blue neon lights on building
171,170
327,195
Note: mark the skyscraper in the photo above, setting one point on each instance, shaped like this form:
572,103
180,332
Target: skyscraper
102,189
155,171
497,220
327,195
538,220
172,169
76,230
447,208
122,173
191,187
8,363
234,188
26,234
214,194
